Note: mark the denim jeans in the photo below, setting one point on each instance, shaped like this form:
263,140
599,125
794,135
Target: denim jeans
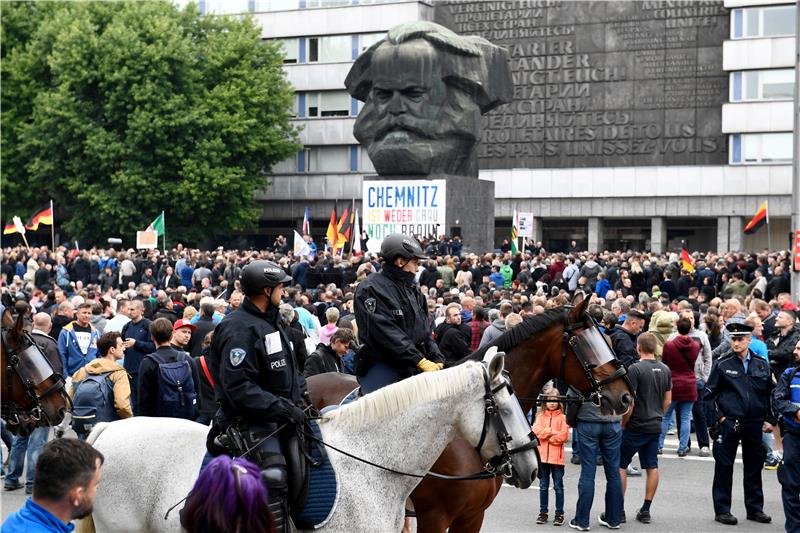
30,446
684,411
557,473
699,415
605,437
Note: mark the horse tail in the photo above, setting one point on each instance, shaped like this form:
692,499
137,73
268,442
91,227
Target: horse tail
98,429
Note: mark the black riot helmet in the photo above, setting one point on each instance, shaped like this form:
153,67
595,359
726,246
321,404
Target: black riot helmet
398,245
260,274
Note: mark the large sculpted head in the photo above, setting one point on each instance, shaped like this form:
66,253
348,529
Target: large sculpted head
424,90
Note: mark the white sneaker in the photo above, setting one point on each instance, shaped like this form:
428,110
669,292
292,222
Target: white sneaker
670,432
704,451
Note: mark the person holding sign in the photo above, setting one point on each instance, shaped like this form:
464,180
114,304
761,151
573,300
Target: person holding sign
393,322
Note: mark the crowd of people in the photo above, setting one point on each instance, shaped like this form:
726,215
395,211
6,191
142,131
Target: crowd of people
136,329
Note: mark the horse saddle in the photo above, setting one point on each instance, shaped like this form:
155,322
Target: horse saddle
322,486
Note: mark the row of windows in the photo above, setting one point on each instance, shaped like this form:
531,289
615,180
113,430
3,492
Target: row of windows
337,158
774,84
767,148
327,49
767,21
235,7
313,104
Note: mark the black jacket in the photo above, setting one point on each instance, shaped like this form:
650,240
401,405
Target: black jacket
204,325
781,349
255,372
429,276
393,322
148,379
49,347
322,360
298,339
741,395
624,345
453,341
169,314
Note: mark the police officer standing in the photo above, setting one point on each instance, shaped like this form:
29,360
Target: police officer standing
741,386
786,402
393,322
259,387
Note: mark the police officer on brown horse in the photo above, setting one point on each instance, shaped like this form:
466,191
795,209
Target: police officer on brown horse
393,322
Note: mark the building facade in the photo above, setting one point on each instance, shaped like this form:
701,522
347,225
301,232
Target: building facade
634,124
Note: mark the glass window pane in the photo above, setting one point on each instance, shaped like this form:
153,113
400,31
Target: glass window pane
335,104
291,50
327,3
335,49
331,159
750,85
778,20
751,148
313,49
286,166
368,39
751,22
777,84
276,5
776,147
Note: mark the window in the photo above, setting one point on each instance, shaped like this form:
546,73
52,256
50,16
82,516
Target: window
325,103
226,7
328,3
754,148
368,39
291,50
777,84
287,166
327,159
261,6
331,49
770,21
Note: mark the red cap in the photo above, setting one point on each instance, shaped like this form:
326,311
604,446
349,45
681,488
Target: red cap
183,324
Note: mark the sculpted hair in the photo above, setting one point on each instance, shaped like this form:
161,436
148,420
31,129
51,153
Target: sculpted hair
62,465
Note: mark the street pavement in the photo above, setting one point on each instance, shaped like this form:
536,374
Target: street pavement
682,503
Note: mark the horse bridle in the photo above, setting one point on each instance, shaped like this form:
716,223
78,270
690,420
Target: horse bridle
570,338
16,414
501,463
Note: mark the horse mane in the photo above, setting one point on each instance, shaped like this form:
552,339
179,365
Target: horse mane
521,332
394,400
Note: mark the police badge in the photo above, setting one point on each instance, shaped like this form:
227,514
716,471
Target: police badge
370,304
237,356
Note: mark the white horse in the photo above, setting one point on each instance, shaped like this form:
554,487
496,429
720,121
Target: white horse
151,464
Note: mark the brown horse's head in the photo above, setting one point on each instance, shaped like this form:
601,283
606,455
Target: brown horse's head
33,395
591,367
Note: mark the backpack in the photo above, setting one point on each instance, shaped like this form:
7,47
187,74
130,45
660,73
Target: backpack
177,394
93,402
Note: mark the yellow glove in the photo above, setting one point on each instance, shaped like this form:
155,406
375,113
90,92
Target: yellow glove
429,366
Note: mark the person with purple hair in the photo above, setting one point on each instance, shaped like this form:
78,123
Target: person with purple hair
228,497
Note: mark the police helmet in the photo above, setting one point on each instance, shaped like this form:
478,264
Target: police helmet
398,245
260,274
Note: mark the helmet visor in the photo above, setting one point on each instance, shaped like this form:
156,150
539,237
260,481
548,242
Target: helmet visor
591,347
33,366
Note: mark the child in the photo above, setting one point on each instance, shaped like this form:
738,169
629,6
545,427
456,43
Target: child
552,431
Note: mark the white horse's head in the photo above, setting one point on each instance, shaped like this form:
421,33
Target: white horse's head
524,459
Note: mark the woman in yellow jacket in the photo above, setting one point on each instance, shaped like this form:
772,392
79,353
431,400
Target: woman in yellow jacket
552,431
111,349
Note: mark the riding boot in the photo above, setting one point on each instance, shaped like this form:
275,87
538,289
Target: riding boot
275,479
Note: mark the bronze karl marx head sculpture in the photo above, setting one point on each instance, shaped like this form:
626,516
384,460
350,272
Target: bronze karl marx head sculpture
425,89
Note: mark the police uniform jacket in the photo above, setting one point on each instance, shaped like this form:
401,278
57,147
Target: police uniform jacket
739,394
786,400
253,366
393,321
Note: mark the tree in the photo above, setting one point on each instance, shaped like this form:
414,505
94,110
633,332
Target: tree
119,110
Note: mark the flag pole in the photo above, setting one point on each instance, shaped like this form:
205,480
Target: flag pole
164,221
769,232
53,225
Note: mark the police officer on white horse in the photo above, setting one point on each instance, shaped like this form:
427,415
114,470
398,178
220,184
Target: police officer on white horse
393,321
259,387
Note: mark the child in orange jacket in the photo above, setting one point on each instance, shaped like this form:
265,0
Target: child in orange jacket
552,431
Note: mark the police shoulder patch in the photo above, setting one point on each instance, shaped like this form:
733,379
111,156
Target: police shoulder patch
370,304
237,356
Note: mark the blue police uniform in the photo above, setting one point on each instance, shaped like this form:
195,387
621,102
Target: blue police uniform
786,403
742,392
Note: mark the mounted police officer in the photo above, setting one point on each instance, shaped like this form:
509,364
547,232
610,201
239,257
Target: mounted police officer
786,402
393,322
741,386
259,387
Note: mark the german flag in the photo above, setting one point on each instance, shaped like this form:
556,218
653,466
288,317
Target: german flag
345,227
687,261
761,217
332,233
42,216
9,228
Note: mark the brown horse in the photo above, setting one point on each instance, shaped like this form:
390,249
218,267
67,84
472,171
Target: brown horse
33,395
562,343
